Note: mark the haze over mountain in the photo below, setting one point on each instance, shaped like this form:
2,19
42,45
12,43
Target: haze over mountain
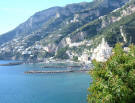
65,32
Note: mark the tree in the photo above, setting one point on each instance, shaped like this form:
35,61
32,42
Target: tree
61,53
114,80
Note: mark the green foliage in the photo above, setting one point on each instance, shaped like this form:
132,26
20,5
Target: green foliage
114,80
61,53
67,29
75,58
90,27
45,54
112,32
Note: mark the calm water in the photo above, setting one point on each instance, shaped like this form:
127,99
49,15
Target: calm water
17,87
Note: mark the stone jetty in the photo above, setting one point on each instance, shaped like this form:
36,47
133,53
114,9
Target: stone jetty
57,71
60,66
12,64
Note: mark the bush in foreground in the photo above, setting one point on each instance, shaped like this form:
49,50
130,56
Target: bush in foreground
114,80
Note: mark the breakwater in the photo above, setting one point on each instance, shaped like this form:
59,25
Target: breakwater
12,64
56,71
60,66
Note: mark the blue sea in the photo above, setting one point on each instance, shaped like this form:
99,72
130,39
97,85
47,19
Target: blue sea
18,87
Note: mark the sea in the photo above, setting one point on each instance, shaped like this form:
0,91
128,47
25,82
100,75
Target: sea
18,87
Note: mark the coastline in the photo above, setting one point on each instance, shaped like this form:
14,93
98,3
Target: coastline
70,66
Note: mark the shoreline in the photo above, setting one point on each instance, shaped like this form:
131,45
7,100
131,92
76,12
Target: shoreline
70,65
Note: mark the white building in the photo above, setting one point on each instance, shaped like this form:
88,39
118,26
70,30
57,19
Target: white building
69,42
102,52
84,58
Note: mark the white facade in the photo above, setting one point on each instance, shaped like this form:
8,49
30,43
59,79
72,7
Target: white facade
46,49
69,42
102,52
84,58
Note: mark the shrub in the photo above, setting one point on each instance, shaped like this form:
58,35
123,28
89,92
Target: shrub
114,80
75,58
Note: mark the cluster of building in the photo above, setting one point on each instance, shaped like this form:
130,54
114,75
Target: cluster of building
76,44
17,46
101,53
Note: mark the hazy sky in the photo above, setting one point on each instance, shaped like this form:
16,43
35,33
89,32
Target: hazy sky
14,12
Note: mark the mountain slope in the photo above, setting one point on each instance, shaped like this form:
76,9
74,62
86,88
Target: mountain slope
113,24
117,26
47,32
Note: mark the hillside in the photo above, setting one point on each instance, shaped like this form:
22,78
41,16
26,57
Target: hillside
70,30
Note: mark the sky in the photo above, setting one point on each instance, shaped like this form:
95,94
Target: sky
15,12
